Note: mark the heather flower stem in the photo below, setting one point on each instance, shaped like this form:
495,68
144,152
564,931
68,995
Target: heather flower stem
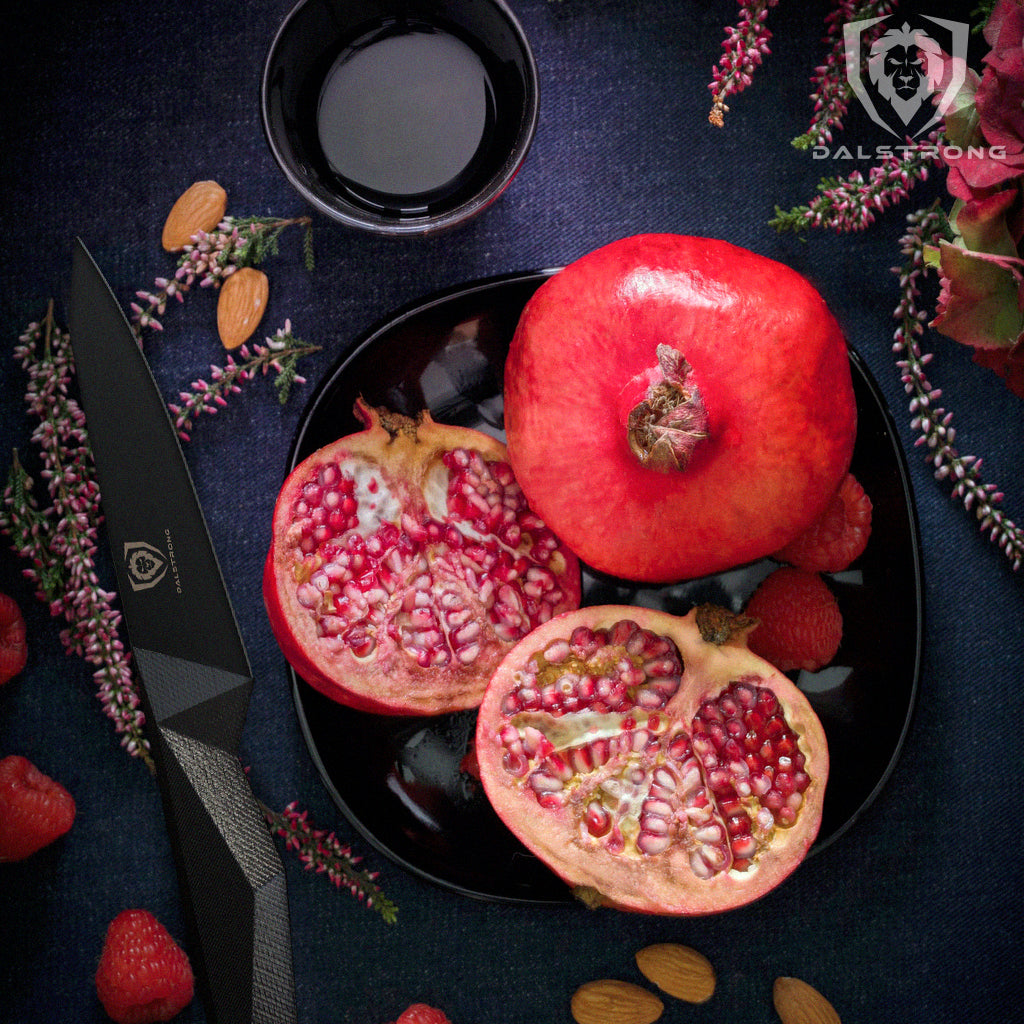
852,204
933,423
832,88
745,46
323,853
280,354
60,542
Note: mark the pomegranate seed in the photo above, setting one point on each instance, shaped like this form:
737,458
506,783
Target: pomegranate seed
680,748
709,834
651,844
744,847
737,825
621,631
754,721
542,781
557,652
581,759
785,745
786,816
746,695
658,807
515,763
597,819
361,642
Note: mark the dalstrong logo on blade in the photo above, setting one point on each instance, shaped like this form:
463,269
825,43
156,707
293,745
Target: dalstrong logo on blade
146,566
906,67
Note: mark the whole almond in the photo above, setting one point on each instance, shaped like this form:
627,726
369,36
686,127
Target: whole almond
796,1002
614,1002
243,298
199,208
678,970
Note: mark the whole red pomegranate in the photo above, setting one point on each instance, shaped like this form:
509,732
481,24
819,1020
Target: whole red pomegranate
405,562
652,761
676,406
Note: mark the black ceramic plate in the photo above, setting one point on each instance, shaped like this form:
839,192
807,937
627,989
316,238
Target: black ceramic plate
399,781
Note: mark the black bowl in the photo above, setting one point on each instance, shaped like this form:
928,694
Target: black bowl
317,35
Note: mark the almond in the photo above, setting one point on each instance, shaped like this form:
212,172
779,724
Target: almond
614,1002
678,970
199,208
796,1002
243,298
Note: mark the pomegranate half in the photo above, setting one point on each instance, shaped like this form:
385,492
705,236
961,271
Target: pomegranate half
676,406
405,563
651,761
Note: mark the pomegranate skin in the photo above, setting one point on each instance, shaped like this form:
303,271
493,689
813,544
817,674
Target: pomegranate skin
608,864
401,472
771,368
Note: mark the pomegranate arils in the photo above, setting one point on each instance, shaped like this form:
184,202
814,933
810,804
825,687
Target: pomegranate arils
359,544
584,731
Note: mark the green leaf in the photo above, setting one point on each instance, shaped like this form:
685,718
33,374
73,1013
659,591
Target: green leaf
979,305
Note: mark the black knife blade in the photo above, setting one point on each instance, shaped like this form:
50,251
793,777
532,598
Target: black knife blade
194,673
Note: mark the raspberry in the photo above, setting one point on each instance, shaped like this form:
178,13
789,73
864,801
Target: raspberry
420,1013
34,810
800,625
838,536
143,974
13,649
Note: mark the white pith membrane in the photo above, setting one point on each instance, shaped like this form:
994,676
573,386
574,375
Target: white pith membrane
434,568
589,730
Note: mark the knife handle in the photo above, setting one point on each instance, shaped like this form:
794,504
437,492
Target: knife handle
231,875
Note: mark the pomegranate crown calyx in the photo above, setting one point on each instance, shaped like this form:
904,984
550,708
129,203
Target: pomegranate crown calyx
666,427
394,423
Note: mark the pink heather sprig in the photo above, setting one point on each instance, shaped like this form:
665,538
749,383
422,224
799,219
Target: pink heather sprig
322,852
745,47
280,354
853,203
60,541
832,92
211,256
932,422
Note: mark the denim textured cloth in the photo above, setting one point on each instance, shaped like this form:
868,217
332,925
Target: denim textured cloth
110,110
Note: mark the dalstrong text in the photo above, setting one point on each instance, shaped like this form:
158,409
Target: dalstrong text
174,563
880,152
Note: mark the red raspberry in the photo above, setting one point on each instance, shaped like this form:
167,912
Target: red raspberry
13,649
143,974
800,624
420,1013
34,810
838,536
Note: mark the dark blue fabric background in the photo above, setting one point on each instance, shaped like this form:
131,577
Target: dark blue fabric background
109,111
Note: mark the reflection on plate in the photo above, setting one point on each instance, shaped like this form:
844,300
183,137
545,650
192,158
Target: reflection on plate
399,780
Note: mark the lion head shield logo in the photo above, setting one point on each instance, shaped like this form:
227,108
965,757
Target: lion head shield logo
905,66
145,565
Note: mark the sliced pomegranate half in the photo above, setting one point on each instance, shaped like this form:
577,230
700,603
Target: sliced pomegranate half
652,761
405,563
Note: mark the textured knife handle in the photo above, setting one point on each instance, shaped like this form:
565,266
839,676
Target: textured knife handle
228,865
